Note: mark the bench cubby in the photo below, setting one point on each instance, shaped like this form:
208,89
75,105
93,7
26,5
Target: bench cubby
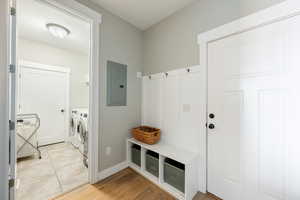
171,168
136,154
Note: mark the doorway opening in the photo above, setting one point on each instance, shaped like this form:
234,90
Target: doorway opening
56,135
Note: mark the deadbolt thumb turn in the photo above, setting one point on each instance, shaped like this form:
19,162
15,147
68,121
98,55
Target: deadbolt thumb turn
211,126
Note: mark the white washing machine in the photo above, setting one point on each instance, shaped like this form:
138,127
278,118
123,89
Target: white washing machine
74,122
83,132
75,137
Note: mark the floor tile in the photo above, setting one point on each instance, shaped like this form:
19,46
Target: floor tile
62,158
41,189
60,169
72,176
37,169
59,146
32,161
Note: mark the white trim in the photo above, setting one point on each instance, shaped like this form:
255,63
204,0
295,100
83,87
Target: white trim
112,170
75,8
278,12
42,67
270,15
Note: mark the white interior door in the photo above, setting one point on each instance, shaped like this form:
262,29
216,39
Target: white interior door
254,94
45,92
12,100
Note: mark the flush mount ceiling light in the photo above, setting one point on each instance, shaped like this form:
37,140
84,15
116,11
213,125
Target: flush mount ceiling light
58,30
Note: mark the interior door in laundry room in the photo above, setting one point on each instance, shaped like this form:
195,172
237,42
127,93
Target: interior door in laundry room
45,92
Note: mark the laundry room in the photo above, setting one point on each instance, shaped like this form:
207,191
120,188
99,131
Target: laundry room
53,101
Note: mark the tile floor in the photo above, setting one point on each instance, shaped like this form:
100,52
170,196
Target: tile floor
60,170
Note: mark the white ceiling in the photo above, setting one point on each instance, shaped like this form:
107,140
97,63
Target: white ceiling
143,13
33,17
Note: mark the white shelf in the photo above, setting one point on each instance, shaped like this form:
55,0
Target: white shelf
189,159
180,155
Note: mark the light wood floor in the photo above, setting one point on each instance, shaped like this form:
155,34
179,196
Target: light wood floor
125,185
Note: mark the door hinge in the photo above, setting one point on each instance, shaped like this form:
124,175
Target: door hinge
11,182
12,68
13,11
12,125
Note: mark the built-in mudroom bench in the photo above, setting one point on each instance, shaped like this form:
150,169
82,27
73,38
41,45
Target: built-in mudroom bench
175,103
171,168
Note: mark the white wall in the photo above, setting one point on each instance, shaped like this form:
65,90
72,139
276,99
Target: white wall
175,104
120,42
3,101
43,53
173,44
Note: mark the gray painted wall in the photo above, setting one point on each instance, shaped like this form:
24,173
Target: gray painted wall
122,43
3,101
172,43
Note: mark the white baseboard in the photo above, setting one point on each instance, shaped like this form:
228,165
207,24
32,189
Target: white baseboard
111,171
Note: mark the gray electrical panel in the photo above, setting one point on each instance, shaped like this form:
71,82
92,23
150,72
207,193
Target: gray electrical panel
116,84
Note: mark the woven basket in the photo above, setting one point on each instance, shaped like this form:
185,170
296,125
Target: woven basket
146,134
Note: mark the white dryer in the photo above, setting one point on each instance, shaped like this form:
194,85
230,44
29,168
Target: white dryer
83,132
75,138
74,122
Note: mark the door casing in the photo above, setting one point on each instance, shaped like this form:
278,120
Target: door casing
95,19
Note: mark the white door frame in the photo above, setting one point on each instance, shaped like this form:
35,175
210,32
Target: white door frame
95,19
270,15
43,67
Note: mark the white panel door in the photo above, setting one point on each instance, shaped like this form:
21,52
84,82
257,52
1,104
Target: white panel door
292,116
45,93
254,94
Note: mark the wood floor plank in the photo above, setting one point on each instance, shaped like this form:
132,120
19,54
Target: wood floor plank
125,185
